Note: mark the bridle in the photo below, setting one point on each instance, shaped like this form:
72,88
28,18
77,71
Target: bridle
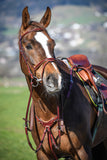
43,62
47,125
56,119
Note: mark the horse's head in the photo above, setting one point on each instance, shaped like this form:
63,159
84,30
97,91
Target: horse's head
37,52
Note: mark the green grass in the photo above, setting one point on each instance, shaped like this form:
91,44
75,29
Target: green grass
13,143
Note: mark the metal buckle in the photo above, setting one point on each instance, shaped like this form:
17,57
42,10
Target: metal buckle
37,81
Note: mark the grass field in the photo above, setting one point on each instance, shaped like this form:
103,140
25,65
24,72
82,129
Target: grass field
13,143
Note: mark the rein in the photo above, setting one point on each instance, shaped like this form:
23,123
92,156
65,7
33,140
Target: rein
49,124
46,124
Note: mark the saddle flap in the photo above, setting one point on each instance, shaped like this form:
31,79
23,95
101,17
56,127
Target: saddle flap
83,75
87,77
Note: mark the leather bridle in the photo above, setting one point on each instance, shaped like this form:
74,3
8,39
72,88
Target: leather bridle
47,125
43,62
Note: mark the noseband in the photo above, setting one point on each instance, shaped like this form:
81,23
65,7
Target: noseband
43,62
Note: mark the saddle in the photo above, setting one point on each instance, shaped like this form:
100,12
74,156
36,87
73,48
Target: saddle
80,60
82,64
86,73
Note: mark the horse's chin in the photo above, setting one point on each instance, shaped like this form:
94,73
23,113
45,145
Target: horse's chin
53,91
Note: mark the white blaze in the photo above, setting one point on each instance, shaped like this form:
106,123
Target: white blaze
42,39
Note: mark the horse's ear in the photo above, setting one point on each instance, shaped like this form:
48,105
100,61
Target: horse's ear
46,18
25,18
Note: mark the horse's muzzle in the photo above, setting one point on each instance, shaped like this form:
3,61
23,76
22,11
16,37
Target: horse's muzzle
53,83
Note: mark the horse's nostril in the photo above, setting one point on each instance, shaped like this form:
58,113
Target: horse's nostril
51,81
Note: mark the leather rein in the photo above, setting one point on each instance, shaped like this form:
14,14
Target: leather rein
49,124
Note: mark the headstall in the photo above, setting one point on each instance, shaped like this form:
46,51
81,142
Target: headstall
43,62
49,124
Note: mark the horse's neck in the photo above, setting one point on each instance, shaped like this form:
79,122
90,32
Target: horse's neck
81,101
45,105
101,70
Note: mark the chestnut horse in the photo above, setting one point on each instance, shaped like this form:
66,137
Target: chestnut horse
61,125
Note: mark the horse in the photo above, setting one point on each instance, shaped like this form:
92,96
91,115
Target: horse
62,116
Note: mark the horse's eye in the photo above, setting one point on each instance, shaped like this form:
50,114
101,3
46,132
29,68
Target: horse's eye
29,46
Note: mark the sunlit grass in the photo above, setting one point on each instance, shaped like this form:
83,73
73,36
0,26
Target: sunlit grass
13,143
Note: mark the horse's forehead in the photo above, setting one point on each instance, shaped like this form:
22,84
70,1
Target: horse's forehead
43,40
41,37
